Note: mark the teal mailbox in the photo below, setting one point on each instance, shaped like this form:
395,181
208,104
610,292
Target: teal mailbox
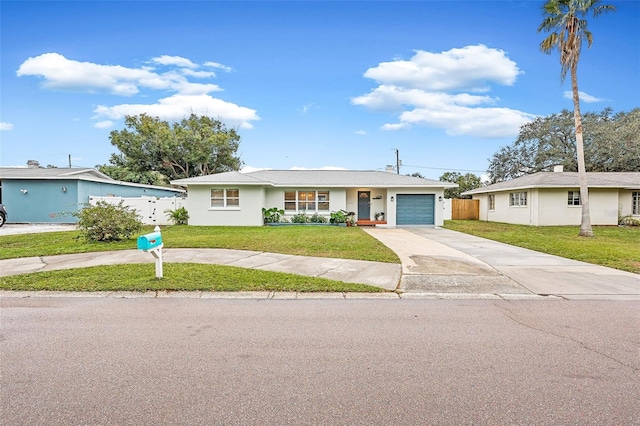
149,241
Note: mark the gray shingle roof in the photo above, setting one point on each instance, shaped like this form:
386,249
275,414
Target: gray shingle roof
315,178
51,173
36,173
625,180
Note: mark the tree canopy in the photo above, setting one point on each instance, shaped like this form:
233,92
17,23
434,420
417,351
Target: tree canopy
611,144
153,151
465,182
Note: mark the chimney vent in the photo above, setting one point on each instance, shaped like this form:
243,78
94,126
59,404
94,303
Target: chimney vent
33,164
389,169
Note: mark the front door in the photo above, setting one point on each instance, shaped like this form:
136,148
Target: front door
364,205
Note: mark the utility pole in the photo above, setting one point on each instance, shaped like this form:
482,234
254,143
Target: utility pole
397,161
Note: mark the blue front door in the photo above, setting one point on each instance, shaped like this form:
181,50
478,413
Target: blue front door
364,205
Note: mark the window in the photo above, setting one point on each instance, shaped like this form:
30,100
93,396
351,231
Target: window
492,201
518,199
223,198
573,198
635,203
307,201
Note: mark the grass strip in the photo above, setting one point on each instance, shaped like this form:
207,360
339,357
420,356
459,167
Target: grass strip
319,241
613,246
176,276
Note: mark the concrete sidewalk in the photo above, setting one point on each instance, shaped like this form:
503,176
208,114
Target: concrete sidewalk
437,260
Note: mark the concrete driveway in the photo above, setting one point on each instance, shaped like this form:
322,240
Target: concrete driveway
437,260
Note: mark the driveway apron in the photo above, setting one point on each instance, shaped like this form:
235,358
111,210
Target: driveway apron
445,261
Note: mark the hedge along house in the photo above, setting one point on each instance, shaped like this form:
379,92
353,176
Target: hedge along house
237,199
553,198
39,195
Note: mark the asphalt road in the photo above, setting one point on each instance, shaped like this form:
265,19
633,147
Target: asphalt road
104,361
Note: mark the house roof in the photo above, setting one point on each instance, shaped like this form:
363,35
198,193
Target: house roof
51,173
86,174
621,180
314,178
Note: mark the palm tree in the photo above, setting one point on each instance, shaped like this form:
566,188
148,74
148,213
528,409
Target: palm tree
565,19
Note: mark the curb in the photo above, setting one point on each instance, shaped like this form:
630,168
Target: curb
270,295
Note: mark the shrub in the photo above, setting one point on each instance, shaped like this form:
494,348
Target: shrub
107,222
300,218
272,215
628,221
316,218
178,216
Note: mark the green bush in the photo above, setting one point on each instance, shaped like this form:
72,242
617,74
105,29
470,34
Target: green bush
316,218
178,216
300,218
272,215
107,222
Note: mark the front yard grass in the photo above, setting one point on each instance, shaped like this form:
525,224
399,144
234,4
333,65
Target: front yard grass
320,241
612,246
176,276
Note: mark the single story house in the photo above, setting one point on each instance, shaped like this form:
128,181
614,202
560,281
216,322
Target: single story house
40,195
237,199
553,198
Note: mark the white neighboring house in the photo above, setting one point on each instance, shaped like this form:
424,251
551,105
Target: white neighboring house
553,198
237,199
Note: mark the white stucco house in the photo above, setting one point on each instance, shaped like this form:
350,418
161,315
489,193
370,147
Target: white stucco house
553,198
237,199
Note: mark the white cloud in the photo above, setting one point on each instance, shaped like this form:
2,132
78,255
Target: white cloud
6,126
179,106
585,97
440,90
218,66
61,73
306,108
360,132
103,124
174,60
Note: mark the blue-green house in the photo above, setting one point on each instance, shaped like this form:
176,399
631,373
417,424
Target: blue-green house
40,195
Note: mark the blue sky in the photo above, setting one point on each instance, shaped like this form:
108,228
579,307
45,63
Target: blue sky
308,84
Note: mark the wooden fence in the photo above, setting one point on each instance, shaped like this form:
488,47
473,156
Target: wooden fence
465,209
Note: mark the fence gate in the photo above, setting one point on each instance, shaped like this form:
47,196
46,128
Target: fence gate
465,209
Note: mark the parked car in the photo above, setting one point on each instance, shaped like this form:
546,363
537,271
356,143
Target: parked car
3,214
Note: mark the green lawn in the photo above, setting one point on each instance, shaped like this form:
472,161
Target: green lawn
320,241
176,276
612,246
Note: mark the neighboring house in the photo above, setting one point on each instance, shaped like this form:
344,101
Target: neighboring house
39,195
553,198
235,198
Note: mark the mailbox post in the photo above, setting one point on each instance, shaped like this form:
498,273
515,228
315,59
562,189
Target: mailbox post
153,244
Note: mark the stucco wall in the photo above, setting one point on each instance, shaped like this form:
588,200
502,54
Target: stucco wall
549,207
248,213
45,200
624,202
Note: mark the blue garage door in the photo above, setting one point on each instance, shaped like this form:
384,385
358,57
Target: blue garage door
415,209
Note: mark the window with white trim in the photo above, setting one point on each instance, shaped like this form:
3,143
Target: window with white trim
306,201
573,198
517,199
635,203
222,198
492,201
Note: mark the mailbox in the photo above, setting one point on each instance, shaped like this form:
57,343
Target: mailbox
149,241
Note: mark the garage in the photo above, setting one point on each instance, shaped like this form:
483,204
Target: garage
415,209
